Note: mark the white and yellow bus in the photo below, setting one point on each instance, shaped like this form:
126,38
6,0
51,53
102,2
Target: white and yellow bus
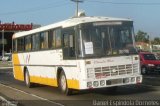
78,53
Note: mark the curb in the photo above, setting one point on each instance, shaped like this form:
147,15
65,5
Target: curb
6,67
5,102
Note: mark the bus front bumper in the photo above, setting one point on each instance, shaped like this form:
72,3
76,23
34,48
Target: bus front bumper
101,83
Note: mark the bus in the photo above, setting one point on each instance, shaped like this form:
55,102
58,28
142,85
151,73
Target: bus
79,53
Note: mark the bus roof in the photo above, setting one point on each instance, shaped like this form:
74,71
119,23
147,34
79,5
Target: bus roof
68,23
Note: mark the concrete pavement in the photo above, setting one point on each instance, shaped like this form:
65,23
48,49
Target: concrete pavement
6,64
3,100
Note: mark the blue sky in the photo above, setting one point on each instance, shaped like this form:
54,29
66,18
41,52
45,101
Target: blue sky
144,13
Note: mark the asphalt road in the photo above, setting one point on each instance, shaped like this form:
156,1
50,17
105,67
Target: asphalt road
147,93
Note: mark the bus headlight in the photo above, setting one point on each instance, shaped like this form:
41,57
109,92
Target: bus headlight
138,79
108,82
126,80
102,83
133,79
95,84
89,84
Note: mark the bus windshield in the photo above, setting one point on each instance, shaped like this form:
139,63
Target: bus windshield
107,40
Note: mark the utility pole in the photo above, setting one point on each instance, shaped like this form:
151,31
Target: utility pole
2,43
150,44
77,2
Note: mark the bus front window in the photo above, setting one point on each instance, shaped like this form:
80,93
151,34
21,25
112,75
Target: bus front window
92,42
100,41
121,38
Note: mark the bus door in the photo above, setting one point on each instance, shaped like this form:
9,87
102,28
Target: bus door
68,45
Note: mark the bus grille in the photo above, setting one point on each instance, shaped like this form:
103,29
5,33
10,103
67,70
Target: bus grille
102,72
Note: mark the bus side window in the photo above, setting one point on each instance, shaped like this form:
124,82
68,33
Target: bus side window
20,44
15,45
68,41
71,41
68,46
65,41
28,43
44,40
35,42
55,38
58,38
51,38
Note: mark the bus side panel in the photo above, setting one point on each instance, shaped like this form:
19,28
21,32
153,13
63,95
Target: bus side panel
44,64
72,75
44,80
73,83
40,76
43,75
82,74
17,69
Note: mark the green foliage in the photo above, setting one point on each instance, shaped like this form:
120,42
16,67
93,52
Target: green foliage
142,37
156,41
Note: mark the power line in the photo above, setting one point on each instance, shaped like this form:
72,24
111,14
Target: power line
64,3
123,3
34,9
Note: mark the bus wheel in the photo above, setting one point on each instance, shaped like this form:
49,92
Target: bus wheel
27,79
63,84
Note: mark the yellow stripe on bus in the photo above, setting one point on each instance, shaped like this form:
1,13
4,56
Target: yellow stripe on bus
18,72
44,81
74,84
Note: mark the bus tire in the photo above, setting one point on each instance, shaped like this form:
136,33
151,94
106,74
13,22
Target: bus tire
62,83
27,79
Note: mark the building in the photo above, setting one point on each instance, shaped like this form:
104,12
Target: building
143,46
156,48
6,32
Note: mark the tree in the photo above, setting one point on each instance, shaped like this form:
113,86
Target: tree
156,41
142,37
